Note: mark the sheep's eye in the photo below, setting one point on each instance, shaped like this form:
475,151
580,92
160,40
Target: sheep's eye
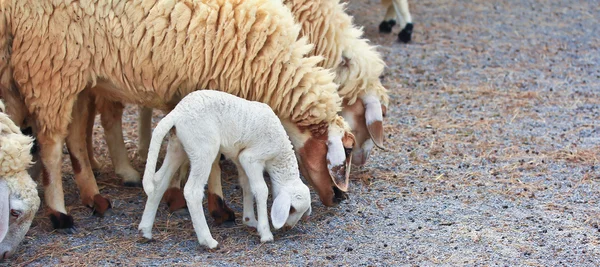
347,151
292,209
15,213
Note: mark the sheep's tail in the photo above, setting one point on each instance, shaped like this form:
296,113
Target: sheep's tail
163,127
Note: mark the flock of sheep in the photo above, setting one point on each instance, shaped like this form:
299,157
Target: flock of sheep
300,93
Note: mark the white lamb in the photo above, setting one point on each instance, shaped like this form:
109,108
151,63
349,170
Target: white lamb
209,123
19,200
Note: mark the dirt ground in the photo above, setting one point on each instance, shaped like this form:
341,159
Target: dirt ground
493,139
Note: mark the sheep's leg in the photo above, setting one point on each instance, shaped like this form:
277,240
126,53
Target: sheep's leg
401,7
96,166
51,157
174,196
254,171
111,118
77,146
249,217
194,193
216,206
390,18
173,159
144,131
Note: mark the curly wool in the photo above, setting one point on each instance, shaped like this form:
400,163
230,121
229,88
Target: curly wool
156,52
331,30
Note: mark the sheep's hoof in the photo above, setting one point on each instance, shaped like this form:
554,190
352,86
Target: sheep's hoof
268,237
101,205
219,210
174,198
386,26
210,243
62,221
405,35
132,183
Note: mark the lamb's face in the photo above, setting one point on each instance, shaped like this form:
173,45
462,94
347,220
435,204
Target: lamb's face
291,204
324,155
365,118
18,211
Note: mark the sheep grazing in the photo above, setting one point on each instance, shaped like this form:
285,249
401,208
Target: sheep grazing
208,122
19,200
153,53
397,10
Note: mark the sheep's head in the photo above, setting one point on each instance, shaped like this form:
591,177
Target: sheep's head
365,98
324,154
291,203
19,201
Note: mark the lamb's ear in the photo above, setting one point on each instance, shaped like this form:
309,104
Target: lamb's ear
280,211
4,209
374,120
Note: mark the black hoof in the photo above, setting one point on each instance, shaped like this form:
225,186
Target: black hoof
132,184
339,195
62,221
386,26
405,35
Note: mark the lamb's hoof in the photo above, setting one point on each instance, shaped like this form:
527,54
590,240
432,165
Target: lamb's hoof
174,198
143,240
268,237
386,26
62,221
405,35
219,210
101,206
184,212
210,243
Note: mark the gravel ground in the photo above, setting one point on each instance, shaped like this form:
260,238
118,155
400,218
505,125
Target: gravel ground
493,158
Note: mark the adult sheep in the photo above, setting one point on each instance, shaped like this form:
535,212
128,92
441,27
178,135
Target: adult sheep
19,200
152,53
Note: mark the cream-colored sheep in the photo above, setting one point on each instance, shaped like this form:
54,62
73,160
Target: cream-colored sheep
208,123
153,53
19,200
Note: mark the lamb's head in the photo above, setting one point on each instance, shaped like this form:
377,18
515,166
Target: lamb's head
324,152
365,98
19,201
290,204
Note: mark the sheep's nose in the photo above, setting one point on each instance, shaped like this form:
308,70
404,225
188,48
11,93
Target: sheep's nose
6,255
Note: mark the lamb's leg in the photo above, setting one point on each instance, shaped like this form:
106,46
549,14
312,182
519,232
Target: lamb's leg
390,18
254,171
173,159
194,193
249,217
216,206
77,146
144,131
401,7
111,118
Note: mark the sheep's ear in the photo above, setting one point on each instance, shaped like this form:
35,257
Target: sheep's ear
280,211
374,120
4,209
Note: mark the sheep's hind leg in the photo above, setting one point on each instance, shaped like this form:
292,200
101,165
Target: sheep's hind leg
194,193
144,131
248,215
173,159
216,204
389,20
96,165
401,7
174,196
254,171
111,118
77,146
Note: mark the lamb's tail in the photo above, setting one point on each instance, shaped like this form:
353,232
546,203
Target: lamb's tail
163,127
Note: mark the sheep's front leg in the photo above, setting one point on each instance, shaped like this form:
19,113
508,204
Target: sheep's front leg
144,131
194,193
216,204
77,146
111,118
173,159
390,18
401,7
254,172
249,218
